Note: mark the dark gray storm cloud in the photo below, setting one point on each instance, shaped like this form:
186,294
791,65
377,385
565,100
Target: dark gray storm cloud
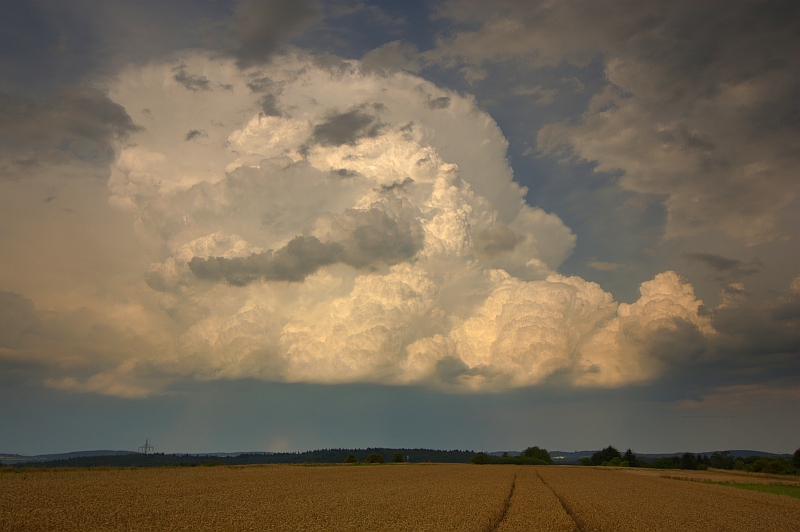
724,265
678,344
371,238
301,257
756,344
496,240
46,45
346,128
758,340
192,82
261,27
397,185
440,103
269,105
787,309
77,123
451,372
344,173
195,134
260,84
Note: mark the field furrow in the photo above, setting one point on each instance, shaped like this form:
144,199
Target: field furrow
533,507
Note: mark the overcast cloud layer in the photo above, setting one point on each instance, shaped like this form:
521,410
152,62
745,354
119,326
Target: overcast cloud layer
283,196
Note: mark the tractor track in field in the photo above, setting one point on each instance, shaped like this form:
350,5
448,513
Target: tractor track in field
502,515
578,524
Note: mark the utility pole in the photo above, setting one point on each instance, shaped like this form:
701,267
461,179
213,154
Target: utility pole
146,448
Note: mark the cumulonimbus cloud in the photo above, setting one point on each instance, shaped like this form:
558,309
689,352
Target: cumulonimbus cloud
360,233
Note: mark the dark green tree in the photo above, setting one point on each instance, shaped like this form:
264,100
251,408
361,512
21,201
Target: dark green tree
630,458
397,458
375,458
667,462
796,459
585,461
605,455
539,454
351,459
688,461
480,459
722,460
778,466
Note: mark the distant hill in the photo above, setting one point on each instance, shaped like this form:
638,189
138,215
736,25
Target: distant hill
322,456
6,458
501,453
565,457
103,458
738,453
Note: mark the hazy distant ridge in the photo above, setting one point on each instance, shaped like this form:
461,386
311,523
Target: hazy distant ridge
109,458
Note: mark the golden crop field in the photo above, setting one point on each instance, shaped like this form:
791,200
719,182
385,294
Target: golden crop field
388,497
608,499
717,475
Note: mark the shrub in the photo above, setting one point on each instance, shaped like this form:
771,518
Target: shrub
688,461
480,459
375,458
666,462
777,466
397,458
351,459
539,454
585,461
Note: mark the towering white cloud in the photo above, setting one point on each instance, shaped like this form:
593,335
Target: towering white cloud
325,224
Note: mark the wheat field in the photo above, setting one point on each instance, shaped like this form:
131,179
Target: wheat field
434,497
608,499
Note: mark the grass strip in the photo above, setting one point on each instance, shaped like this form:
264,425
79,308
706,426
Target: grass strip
777,489
791,491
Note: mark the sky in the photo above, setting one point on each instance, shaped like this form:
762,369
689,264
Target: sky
289,225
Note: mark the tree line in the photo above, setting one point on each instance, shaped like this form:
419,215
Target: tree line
319,456
530,456
718,460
